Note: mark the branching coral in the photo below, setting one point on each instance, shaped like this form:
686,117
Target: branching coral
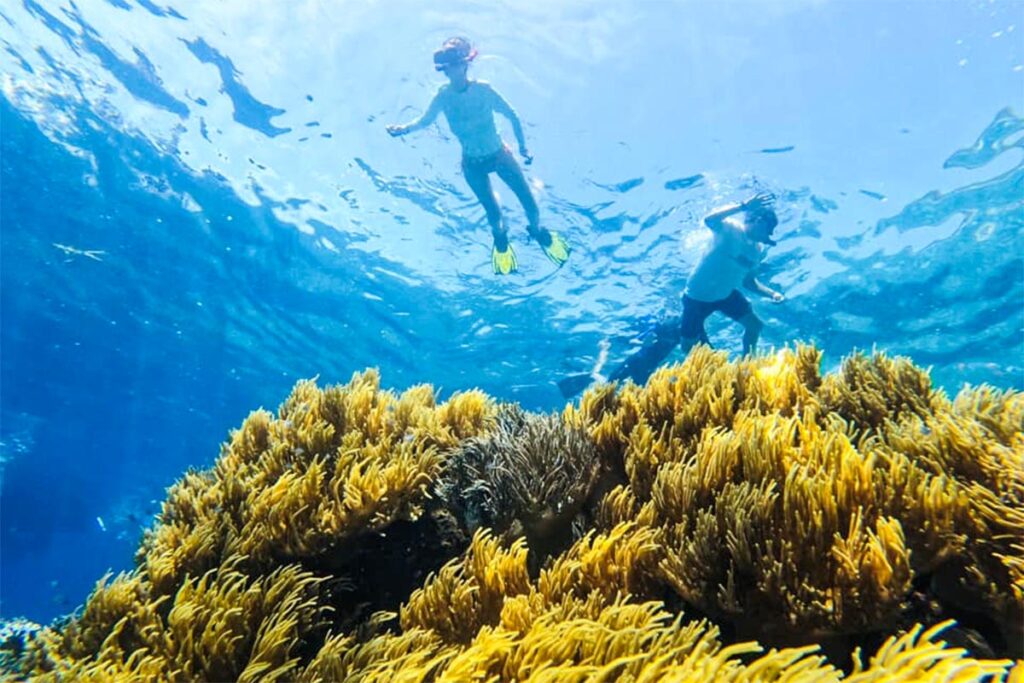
467,484
610,542
532,475
469,594
415,655
333,473
813,502
871,391
616,564
803,534
582,619
975,445
546,478
919,655
335,464
222,626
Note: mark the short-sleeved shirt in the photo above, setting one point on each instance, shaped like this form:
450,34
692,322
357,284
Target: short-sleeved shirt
726,263
470,115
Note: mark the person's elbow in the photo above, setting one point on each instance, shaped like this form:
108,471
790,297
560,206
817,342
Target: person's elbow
513,118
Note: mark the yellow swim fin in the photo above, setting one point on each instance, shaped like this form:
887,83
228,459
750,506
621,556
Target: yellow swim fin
557,250
504,262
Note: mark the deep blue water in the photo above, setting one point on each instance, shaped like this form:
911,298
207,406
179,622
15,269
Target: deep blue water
200,207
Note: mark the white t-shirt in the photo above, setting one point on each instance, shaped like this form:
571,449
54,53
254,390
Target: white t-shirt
724,265
470,115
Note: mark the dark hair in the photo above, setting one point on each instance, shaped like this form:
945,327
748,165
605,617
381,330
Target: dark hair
767,216
455,50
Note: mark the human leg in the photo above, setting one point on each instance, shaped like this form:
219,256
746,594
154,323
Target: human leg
555,248
477,173
752,327
509,171
687,343
691,329
479,180
639,366
739,309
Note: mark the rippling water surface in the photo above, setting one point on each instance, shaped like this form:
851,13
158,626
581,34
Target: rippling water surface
200,206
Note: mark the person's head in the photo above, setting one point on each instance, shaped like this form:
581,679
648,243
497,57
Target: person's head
453,58
761,224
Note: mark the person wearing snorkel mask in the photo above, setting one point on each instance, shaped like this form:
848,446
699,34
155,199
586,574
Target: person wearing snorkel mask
469,107
740,235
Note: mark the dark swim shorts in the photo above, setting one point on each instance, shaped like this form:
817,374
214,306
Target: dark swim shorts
489,163
696,312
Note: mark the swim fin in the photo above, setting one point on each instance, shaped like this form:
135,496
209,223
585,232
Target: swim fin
557,249
574,384
504,262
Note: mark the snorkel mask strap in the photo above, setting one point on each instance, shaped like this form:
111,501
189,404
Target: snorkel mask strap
454,51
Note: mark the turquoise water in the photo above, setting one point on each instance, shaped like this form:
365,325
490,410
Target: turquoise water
200,206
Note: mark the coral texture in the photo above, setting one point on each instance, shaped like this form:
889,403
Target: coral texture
735,521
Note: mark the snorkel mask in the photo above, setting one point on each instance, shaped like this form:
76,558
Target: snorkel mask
454,51
768,221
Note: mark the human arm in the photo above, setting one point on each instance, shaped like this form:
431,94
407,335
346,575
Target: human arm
715,219
505,109
428,117
752,283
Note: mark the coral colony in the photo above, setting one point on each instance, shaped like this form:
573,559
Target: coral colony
747,520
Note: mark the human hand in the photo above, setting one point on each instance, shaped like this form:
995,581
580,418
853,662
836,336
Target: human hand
527,157
778,297
762,200
395,130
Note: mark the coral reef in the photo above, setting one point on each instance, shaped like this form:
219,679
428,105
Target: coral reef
796,506
736,521
531,476
14,633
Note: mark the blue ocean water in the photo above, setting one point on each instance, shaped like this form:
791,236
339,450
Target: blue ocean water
200,206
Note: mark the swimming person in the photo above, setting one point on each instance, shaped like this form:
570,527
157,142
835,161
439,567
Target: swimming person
736,250
469,107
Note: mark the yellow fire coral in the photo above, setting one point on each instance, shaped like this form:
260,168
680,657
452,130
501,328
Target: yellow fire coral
813,502
469,594
647,533
335,464
218,627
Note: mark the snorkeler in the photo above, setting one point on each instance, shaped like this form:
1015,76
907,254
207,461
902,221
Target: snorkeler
469,107
736,250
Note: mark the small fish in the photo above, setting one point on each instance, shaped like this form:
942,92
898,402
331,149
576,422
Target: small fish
874,195
777,150
683,183
103,527
624,186
822,205
94,254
